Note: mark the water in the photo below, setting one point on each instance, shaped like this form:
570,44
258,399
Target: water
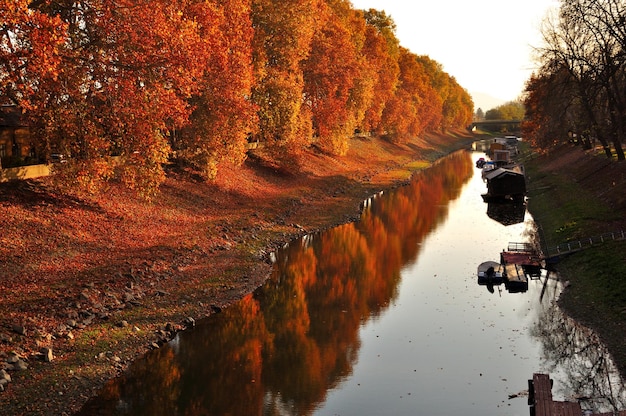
382,316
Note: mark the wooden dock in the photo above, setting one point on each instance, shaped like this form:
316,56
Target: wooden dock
516,280
542,404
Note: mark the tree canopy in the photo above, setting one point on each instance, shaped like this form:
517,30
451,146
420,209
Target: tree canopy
513,110
580,87
191,81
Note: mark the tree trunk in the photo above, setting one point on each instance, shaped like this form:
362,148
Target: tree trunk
605,145
617,143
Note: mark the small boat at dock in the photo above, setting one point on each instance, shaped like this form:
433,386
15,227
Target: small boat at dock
490,272
519,263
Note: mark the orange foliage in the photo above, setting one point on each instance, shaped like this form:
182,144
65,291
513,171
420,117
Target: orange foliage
148,80
223,112
381,66
329,75
282,41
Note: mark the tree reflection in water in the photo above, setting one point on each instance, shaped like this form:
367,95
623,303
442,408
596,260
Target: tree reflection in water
586,363
281,349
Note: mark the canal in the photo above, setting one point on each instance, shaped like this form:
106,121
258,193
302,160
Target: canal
381,316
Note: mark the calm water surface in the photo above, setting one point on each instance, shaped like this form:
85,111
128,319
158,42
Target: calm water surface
381,317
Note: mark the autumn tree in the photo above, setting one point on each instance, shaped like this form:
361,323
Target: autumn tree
415,103
587,40
331,72
283,31
146,81
381,50
126,71
457,107
223,113
545,125
31,46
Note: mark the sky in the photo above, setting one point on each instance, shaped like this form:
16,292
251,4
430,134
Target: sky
486,45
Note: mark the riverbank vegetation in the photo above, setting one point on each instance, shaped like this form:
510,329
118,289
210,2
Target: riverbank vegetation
196,83
575,194
579,90
576,120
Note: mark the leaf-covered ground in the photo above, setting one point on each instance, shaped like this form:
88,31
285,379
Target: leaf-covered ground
100,280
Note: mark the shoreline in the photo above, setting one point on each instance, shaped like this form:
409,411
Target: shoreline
595,294
97,282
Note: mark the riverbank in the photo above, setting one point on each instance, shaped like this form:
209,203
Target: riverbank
89,284
576,194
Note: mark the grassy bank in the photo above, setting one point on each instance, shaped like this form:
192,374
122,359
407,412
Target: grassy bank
575,194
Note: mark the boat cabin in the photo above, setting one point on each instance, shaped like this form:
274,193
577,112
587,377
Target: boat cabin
506,182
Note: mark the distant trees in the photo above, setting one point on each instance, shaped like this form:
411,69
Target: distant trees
580,87
151,81
513,110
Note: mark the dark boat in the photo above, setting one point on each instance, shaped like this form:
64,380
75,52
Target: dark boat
505,183
490,272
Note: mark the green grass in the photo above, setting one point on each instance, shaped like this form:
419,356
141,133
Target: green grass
600,272
564,211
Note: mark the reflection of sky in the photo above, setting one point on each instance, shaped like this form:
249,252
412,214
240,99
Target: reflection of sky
448,346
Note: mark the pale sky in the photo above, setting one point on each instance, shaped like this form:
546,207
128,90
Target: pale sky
485,44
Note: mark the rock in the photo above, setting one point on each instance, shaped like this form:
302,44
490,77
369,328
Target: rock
122,324
47,355
5,376
13,357
42,335
4,338
189,322
19,329
20,366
